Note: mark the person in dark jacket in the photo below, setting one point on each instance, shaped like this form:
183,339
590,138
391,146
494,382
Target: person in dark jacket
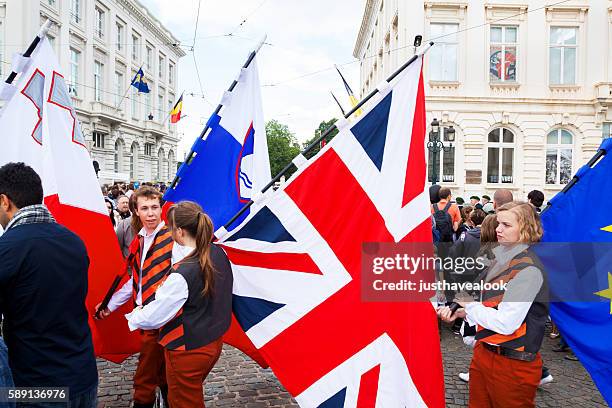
192,307
43,285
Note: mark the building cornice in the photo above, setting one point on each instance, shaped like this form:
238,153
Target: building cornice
364,30
144,16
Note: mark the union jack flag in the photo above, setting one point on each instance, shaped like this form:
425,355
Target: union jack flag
297,264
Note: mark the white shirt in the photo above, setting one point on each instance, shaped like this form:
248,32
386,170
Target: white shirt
125,293
170,296
518,297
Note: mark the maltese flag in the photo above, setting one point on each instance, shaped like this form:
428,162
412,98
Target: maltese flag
41,129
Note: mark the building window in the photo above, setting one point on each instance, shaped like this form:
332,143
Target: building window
148,149
443,56
170,164
118,88
135,102
503,53
160,67
559,145
607,130
52,3
98,140
160,164
73,85
119,37
149,58
500,162
98,80
160,107
1,46
171,74
133,161
445,165
148,110
100,20
75,11
563,50
118,156
135,48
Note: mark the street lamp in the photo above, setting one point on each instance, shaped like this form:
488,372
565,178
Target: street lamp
435,145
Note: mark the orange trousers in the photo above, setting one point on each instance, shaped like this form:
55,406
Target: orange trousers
500,382
150,372
186,372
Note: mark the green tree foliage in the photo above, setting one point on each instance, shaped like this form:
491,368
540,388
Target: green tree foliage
323,126
282,146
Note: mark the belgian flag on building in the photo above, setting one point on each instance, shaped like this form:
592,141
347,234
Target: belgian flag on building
175,114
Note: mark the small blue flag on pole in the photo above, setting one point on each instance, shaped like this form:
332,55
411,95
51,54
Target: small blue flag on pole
580,274
139,83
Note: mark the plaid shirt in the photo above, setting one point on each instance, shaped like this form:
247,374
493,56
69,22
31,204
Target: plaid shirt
32,214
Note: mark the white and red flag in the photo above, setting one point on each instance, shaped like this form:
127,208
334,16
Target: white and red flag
297,264
40,128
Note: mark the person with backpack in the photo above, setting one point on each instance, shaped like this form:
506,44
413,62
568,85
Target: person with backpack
447,215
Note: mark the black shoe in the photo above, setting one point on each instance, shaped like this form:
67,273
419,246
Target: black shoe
571,356
560,348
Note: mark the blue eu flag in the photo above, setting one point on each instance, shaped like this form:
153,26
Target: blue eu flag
139,83
579,267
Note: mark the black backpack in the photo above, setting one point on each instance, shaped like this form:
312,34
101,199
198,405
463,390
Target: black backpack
444,222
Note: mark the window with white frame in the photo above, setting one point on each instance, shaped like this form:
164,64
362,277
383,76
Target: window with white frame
73,85
500,159
148,110
1,46
52,3
170,165
135,47
160,67
135,102
149,59
444,54
148,149
100,22
160,163
98,80
75,11
171,74
118,88
606,130
118,156
563,52
559,144
120,29
160,106
98,140
444,168
503,53
133,161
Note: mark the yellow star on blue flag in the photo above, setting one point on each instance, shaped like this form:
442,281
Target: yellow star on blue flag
607,293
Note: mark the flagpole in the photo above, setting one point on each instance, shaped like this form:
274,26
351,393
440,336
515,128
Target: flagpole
127,91
250,59
41,33
336,99
326,133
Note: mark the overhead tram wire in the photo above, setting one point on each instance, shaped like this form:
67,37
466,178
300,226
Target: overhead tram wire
434,39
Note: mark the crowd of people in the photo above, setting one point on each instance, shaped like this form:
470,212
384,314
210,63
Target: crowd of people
506,327
180,290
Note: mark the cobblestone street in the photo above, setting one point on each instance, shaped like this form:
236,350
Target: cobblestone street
236,381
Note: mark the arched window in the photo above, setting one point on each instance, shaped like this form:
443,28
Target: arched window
160,164
118,155
500,159
171,166
134,162
445,166
559,143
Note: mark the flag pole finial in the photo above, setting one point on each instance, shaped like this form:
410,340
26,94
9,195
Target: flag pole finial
44,29
261,42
